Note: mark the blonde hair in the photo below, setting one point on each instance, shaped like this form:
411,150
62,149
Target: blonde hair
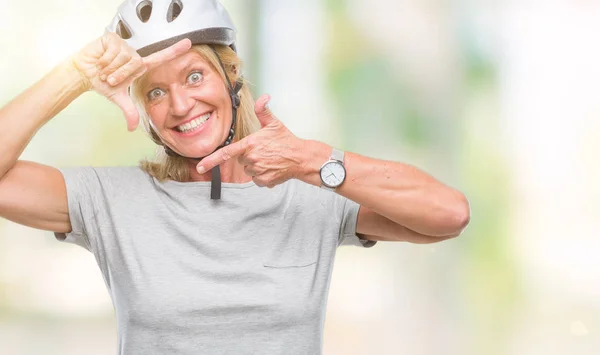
164,167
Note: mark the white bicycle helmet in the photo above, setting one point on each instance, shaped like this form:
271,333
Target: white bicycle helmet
149,26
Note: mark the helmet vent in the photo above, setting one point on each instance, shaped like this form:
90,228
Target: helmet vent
174,10
144,10
123,31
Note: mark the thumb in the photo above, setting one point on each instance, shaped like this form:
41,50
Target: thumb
263,113
123,100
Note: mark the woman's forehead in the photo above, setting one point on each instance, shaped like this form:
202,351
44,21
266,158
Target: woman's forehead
181,63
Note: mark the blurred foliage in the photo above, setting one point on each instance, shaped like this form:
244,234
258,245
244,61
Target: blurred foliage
491,276
365,89
472,283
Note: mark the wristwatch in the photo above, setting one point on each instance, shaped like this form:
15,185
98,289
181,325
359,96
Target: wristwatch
333,172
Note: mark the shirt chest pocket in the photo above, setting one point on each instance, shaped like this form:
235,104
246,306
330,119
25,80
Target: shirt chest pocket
301,237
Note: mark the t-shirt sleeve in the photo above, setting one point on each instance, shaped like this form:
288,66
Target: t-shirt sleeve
84,194
348,210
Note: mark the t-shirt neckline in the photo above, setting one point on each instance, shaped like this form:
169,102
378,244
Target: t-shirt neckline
226,185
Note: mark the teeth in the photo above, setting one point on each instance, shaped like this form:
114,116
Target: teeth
194,124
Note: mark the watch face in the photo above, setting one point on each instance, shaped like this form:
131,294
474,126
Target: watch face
333,174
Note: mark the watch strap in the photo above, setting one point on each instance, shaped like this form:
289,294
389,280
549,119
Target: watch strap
337,154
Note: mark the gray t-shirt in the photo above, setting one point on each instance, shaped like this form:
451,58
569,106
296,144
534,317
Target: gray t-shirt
247,274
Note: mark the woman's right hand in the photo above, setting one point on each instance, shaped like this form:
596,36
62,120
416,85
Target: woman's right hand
109,65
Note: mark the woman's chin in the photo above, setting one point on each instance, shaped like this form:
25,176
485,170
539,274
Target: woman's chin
198,149
200,152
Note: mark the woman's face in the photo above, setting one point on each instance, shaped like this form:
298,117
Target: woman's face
188,104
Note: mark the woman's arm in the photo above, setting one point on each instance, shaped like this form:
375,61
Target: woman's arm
398,201
22,117
33,194
401,193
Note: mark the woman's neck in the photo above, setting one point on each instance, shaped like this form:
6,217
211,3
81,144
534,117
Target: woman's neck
231,172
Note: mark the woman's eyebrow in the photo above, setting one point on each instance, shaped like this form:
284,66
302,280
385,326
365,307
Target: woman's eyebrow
185,69
152,86
190,65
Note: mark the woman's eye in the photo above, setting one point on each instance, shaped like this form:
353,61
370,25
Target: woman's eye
154,94
195,78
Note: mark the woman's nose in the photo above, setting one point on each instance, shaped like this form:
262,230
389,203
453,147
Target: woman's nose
181,102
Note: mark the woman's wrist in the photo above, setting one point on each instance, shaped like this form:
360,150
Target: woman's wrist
315,155
63,84
74,75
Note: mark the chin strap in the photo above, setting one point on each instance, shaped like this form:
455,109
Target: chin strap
215,187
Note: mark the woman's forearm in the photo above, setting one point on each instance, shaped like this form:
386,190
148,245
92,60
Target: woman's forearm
23,116
399,192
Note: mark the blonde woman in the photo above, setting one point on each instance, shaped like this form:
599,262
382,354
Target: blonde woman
197,255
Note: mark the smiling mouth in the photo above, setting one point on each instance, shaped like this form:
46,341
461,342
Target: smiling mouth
193,125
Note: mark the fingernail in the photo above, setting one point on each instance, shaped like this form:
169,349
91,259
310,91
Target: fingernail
112,81
201,170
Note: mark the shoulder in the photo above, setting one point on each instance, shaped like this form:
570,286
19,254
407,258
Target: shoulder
106,178
122,173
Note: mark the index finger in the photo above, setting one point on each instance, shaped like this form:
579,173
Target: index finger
156,59
222,155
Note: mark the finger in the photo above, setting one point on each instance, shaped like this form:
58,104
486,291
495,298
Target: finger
123,100
249,171
111,47
168,53
139,72
258,181
221,156
121,59
132,67
263,113
242,160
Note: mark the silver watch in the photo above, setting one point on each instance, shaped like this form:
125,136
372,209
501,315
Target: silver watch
333,172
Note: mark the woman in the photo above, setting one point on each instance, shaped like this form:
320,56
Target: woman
248,270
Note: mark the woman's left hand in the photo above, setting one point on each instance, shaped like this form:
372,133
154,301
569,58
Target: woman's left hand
270,156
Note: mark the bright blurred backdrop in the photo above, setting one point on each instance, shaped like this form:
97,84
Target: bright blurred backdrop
496,98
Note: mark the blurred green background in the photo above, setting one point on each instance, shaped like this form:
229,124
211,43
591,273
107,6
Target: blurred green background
496,98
